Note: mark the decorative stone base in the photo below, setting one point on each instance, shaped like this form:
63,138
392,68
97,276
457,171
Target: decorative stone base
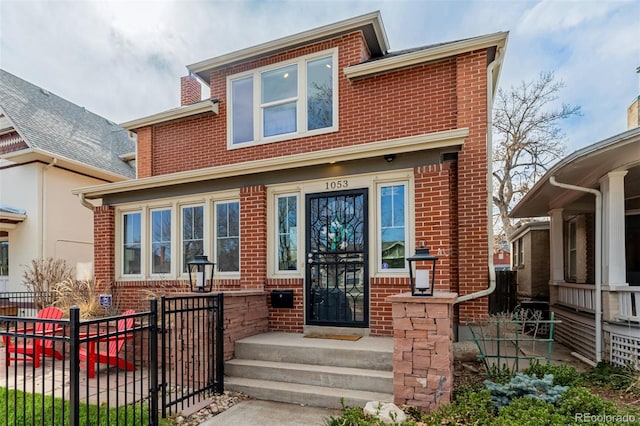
423,349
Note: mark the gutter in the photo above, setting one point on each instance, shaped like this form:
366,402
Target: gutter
84,202
492,271
598,255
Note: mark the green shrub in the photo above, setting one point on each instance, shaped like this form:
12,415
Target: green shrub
470,406
563,375
580,400
611,377
529,411
523,385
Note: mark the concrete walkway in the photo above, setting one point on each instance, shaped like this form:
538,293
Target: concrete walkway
268,413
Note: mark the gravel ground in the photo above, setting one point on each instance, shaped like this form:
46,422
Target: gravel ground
218,404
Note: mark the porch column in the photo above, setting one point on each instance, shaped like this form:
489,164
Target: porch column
613,235
423,349
556,246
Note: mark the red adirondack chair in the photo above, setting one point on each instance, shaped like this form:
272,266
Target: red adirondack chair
32,349
91,355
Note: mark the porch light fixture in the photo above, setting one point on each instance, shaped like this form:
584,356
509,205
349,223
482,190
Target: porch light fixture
198,275
422,279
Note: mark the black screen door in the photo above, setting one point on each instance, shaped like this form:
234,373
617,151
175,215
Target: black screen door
337,283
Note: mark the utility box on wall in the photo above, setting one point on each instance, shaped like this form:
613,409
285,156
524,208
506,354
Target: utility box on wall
282,299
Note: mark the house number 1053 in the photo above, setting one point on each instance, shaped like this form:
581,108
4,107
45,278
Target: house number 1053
336,184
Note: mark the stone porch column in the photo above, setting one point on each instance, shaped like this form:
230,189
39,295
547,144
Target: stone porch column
423,349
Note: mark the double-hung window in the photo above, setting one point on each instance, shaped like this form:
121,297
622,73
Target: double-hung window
161,241
192,234
572,251
287,100
227,238
131,243
287,232
393,213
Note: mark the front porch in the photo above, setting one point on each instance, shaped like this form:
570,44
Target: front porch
574,305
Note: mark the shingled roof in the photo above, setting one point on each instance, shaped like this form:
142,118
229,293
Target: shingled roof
47,123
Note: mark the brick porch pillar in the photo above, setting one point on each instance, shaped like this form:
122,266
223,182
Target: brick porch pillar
423,349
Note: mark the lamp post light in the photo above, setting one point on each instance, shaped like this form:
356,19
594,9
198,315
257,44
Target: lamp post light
198,274
423,279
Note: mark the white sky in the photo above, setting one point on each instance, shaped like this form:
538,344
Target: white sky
124,59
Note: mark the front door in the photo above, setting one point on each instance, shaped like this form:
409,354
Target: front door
337,282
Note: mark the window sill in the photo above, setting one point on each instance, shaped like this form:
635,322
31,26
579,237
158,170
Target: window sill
281,138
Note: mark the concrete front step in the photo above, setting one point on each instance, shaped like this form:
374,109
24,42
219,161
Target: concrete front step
374,353
313,396
317,375
288,367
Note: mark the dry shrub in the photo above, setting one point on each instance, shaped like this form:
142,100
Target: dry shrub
43,275
82,294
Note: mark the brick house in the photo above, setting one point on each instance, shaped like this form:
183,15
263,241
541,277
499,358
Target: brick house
318,163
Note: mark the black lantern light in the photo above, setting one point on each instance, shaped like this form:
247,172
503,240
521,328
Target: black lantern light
198,275
423,278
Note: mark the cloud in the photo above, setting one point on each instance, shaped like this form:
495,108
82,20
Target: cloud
549,16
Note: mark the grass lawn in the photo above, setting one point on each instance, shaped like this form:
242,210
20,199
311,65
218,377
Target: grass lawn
17,407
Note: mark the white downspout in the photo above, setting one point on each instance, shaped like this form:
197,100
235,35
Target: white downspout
43,210
492,272
598,256
84,202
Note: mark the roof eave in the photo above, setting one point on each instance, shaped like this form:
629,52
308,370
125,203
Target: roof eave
31,155
427,55
523,207
203,68
208,105
354,152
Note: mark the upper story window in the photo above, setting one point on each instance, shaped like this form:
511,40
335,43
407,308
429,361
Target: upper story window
284,101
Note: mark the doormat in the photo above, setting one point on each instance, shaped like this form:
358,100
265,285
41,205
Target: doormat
333,336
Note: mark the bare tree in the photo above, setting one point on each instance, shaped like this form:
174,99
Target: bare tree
527,138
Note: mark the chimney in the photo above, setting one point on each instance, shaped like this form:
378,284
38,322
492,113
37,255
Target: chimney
633,112
190,90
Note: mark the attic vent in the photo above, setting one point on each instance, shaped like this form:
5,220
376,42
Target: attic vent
45,91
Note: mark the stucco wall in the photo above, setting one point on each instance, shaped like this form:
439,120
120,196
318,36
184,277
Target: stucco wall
57,225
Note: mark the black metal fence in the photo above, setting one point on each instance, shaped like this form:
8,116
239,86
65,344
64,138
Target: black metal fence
108,371
24,303
192,348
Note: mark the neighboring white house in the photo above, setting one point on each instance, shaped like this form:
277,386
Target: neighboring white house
593,200
49,146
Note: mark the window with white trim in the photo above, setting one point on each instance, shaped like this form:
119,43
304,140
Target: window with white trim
131,243
287,232
160,241
227,236
192,234
286,100
393,233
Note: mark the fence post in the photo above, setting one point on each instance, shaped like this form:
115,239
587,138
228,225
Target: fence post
220,345
153,365
163,367
74,366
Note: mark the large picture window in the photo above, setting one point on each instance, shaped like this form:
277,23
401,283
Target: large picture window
132,243
287,232
393,226
192,234
161,241
227,236
282,101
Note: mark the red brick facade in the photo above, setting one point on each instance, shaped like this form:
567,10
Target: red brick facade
450,199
